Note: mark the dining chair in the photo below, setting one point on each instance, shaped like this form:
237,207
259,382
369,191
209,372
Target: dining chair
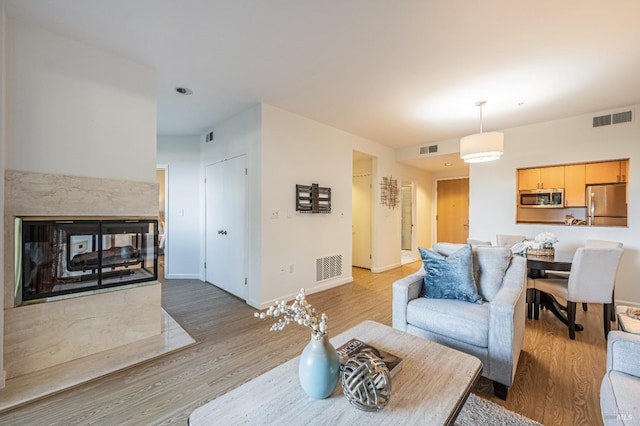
592,243
591,280
506,240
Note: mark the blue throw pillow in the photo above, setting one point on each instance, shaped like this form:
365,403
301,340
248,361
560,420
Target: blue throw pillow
449,277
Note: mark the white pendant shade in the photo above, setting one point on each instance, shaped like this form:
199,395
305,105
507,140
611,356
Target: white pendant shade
482,147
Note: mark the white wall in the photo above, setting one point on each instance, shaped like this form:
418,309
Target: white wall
181,154
571,140
76,110
283,150
3,27
297,150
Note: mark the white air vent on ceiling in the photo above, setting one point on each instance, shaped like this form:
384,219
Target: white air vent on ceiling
616,118
428,149
328,267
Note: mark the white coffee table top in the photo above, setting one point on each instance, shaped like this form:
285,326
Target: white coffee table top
431,388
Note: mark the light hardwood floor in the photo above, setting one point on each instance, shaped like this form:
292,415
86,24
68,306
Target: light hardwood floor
557,380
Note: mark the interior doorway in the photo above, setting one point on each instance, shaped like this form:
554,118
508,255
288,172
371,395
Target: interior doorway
361,207
162,178
407,229
452,210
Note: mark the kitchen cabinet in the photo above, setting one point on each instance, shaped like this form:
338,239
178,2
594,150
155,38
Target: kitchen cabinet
574,185
607,172
541,178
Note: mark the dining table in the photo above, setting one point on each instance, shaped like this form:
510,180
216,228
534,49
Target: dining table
537,266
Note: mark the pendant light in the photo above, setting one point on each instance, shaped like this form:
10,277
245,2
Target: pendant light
481,147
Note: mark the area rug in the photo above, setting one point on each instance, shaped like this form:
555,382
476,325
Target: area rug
479,411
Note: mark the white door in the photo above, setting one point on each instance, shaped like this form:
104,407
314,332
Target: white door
361,222
226,225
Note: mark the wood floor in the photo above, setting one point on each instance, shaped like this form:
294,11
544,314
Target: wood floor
557,380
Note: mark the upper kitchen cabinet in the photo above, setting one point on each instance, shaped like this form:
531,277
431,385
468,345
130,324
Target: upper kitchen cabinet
541,178
574,185
607,172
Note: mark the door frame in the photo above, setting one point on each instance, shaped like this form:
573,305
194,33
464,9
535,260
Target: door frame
435,201
374,194
412,185
165,167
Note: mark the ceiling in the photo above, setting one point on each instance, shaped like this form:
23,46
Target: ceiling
401,73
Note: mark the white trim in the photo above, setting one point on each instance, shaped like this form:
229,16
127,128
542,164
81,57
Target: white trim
183,277
316,289
386,268
165,167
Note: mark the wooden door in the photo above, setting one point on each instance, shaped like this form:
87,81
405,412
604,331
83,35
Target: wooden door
361,221
453,210
226,225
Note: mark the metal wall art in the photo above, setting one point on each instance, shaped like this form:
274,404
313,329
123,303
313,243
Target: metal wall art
389,192
313,199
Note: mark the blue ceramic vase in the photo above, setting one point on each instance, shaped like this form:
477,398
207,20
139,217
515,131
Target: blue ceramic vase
319,368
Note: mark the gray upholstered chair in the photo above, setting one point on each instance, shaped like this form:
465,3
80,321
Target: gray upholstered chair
619,402
507,240
591,280
473,242
492,331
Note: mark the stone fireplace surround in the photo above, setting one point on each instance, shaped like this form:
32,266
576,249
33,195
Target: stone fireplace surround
42,336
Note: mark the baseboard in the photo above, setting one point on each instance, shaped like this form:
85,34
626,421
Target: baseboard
386,268
627,303
307,290
183,277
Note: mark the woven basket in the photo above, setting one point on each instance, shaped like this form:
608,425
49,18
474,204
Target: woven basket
541,252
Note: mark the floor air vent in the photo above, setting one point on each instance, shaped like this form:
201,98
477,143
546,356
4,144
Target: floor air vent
328,267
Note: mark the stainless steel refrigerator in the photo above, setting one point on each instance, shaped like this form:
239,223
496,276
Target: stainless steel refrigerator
607,204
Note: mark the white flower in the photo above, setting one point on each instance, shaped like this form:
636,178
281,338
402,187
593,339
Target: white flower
299,311
546,237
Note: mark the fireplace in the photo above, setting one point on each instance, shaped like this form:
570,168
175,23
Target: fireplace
60,257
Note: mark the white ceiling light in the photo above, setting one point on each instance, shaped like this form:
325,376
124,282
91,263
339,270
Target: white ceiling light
481,147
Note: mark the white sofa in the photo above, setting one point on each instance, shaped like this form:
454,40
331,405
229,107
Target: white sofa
493,331
620,389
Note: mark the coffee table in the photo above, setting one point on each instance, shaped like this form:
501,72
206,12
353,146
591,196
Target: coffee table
431,388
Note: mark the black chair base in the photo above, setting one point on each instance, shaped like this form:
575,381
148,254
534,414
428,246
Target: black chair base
500,390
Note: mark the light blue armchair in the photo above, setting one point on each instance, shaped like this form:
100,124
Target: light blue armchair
619,401
493,331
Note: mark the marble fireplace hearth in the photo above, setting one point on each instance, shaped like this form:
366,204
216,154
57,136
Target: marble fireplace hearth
67,341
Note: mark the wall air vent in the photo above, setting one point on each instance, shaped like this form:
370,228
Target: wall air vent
616,118
209,136
603,120
328,267
428,149
622,117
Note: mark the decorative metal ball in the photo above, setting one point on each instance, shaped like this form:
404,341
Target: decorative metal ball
366,382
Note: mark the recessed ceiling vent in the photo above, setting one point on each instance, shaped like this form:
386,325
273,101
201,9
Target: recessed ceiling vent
431,149
209,137
617,118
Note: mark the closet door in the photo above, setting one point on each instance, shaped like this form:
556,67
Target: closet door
226,225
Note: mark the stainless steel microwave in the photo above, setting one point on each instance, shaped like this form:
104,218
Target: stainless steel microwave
542,198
